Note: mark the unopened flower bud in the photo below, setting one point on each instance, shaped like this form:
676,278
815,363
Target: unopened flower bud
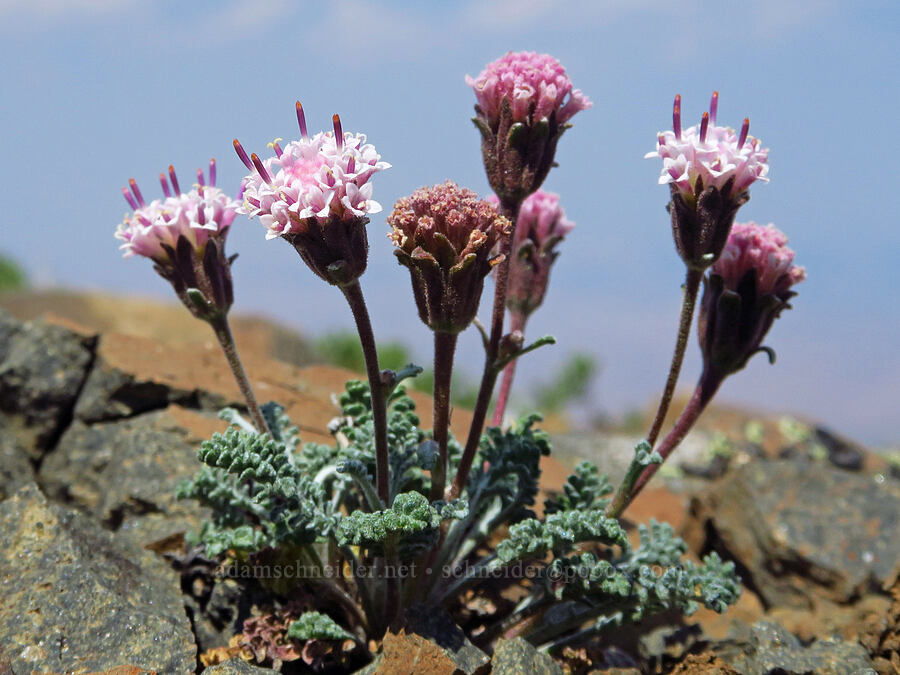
525,101
744,292
446,235
541,225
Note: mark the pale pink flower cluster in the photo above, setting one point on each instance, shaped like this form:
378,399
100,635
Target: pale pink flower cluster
763,248
709,152
204,212
535,84
541,218
315,177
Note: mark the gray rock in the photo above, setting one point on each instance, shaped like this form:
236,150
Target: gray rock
841,452
770,648
42,369
15,467
801,528
110,393
519,657
124,473
77,600
236,667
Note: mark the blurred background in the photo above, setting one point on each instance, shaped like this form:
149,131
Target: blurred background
98,91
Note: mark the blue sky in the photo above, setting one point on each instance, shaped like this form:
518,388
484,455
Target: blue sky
96,91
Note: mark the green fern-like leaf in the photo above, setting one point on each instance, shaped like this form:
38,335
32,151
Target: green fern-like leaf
316,626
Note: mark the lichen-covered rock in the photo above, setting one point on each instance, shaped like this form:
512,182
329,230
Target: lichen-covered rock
770,648
15,467
77,600
518,657
42,369
799,528
125,472
236,667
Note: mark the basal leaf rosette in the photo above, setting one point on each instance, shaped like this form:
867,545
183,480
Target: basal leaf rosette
445,235
745,291
540,227
316,193
525,102
184,235
709,170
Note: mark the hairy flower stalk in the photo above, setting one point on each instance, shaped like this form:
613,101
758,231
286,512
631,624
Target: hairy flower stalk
316,194
525,101
446,237
184,235
709,170
542,225
744,292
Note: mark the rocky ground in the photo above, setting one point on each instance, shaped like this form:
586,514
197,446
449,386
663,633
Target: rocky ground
99,421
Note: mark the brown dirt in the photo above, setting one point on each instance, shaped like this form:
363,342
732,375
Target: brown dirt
413,654
704,664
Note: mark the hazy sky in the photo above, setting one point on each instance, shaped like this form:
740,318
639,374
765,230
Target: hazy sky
96,91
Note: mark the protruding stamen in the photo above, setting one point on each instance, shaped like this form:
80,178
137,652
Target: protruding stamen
338,132
212,172
660,139
301,120
676,117
261,168
128,198
201,181
713,107
174,180
745,128
201,215
277,148
351,165
136,191
165,185
704,126
242,154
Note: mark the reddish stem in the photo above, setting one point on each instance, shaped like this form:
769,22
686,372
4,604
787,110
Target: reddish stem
489,377
516,323
706,388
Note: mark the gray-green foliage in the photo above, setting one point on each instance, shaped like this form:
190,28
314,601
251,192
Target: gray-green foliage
586,489
316,626
411,513
594,575
258,494
269,492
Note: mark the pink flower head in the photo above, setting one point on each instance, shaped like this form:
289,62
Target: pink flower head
706,155
184,235
536,86
763,249
540,226
203,212
746,289
541,219
324,177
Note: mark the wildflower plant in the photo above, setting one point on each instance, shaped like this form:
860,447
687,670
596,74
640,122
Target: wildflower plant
389,514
